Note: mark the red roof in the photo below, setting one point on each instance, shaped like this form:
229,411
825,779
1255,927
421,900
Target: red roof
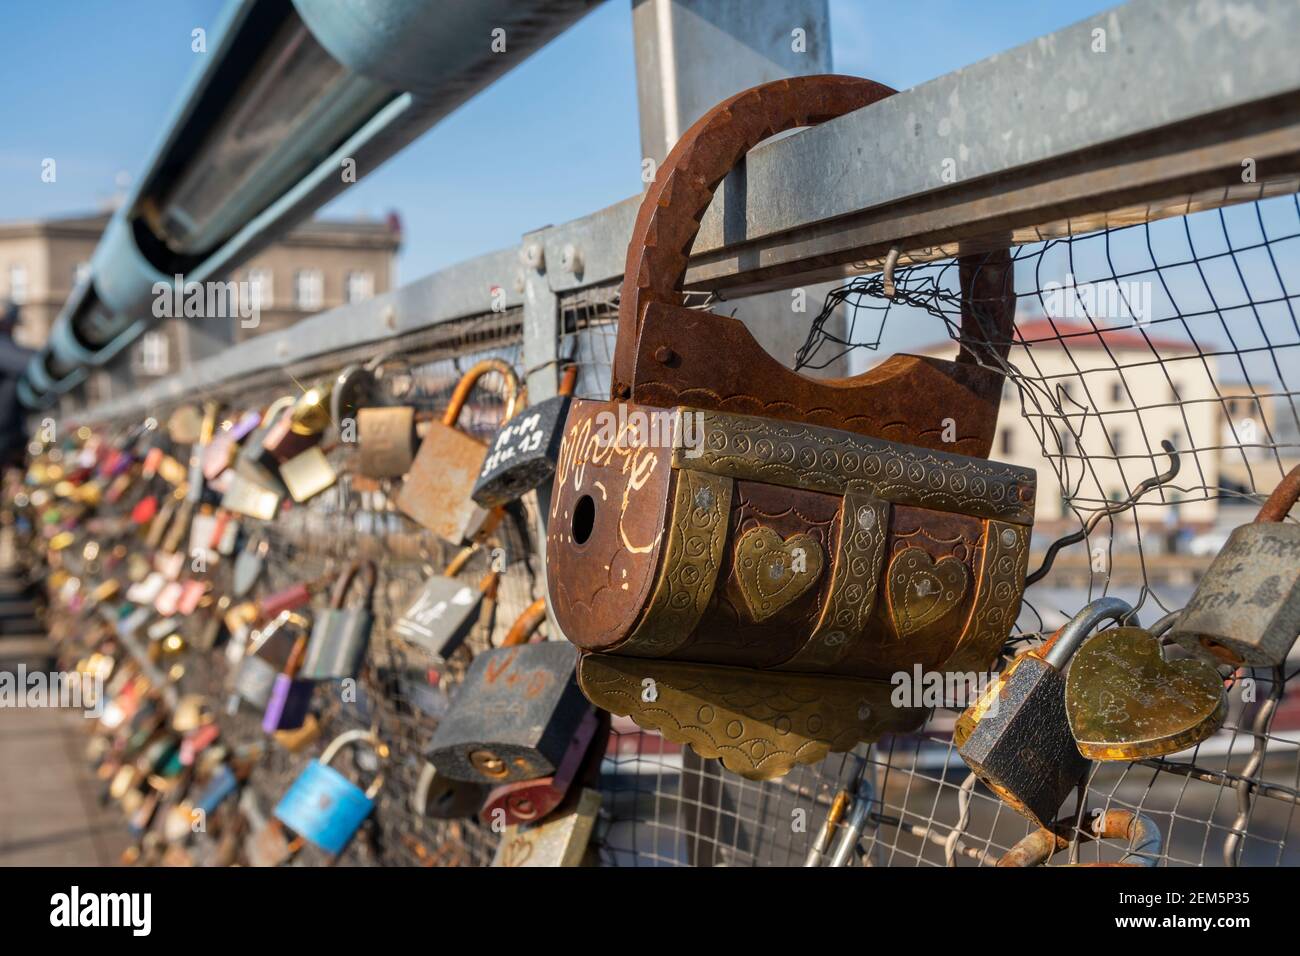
1048,332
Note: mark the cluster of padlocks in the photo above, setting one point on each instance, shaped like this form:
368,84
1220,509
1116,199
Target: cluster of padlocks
737,557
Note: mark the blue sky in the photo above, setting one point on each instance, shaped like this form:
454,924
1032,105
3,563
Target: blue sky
90,83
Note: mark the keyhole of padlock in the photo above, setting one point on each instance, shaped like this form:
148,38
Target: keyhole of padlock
488,763
584,519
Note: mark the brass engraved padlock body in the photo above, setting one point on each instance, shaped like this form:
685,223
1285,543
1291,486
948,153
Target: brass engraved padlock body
764,548
1246,609
805,565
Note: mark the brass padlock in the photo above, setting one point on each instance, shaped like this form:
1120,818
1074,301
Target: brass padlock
1017,735
769,549
436,492
386,441
302,427
1246,609
307,473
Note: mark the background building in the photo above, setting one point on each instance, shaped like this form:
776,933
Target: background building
316,266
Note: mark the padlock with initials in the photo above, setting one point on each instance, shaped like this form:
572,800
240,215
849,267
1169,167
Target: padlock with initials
1017,738
340,634
324,807
436,492
522,454
1246,609
446,610
514,716
525,801
765,548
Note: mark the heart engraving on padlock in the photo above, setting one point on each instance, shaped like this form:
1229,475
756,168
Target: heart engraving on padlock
773,573
922,591
517,852
1124,701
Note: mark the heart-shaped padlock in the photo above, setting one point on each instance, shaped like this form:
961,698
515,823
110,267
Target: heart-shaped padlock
1124,701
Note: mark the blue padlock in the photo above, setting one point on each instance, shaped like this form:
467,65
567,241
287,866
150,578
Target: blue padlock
220,785
325,807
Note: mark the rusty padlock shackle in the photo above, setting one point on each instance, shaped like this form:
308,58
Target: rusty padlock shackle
488,584
526,624
466,385
353,737
1282,500
670,213
343,583
1142,834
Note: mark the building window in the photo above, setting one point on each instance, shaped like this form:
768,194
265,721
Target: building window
155,358
1116,393
1173,392
80,273
261,289
1005,442
1117,440
17,284
309,288
359,286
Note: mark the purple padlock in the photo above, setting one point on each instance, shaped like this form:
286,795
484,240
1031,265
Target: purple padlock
290,698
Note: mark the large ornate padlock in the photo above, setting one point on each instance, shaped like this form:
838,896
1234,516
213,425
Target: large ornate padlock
1017,738
513,717
522,454
1246,609
436,492
340,634
763,550
324,807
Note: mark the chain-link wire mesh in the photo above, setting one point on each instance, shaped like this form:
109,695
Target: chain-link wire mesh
1181,329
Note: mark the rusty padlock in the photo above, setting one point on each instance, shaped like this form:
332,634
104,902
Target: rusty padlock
1246,609
514,716
1140,835
526,801
736,533
436,492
